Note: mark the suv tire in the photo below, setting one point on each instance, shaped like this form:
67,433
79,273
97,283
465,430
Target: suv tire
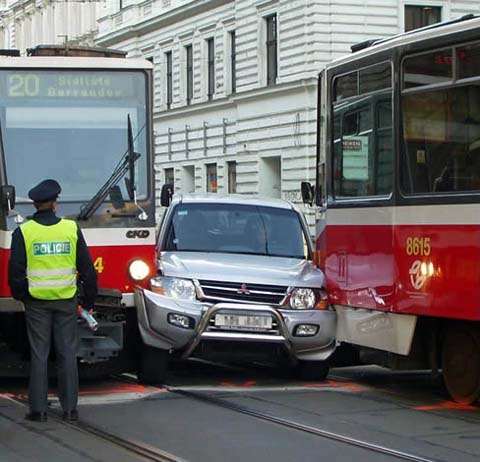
153,365
312,370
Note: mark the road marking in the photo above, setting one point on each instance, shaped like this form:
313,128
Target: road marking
448,406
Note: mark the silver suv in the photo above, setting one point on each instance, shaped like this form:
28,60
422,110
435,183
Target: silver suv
235,282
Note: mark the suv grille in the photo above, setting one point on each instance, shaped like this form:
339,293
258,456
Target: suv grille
238,292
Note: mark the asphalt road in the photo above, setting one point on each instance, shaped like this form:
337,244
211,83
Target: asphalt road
407,412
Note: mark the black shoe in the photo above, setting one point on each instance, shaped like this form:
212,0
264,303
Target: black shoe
71,416
37,416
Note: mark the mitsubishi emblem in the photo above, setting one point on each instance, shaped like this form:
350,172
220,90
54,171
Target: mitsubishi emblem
243,290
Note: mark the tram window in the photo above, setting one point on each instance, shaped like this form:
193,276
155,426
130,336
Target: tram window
428,69
353,155
441,141
375,78
346,86
362,151
384,139
468,61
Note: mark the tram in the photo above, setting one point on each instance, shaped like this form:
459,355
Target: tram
83,117
398,200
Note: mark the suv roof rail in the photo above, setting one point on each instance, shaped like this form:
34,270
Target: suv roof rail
368,43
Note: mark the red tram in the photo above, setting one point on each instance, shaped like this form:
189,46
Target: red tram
398,196
83,117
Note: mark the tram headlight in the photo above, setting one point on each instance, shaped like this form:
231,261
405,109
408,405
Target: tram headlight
177,288
138,270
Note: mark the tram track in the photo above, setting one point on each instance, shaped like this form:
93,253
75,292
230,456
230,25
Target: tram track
372,447
287,423
144,451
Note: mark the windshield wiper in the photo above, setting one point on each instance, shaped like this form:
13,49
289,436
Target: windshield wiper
126,164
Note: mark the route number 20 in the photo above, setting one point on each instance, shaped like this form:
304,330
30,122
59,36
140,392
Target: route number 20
23,85
418,246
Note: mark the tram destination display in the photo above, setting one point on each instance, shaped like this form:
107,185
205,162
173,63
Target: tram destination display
20,85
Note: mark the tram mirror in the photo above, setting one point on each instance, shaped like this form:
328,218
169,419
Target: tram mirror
308,193
166,195
116,197
7,197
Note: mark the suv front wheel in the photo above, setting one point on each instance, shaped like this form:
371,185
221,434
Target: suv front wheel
153,365
312,370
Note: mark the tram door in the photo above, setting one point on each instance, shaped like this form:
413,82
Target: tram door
359,265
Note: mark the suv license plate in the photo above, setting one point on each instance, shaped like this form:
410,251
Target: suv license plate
238,321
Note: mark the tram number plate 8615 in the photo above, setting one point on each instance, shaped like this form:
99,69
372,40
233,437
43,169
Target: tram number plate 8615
241,321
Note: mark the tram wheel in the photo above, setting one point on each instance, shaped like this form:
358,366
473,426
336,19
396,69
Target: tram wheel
461,363
153,365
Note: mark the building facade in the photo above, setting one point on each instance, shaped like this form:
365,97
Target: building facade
235,80
27,23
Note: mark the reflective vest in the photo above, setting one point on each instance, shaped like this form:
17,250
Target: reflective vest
51,259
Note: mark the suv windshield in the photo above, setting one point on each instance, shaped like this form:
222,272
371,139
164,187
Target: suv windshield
242,229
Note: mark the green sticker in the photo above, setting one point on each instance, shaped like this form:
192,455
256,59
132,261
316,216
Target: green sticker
51,248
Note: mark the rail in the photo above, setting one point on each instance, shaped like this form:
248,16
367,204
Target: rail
300,427
137,448
322,433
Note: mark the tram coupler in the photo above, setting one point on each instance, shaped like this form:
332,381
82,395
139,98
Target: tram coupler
103,344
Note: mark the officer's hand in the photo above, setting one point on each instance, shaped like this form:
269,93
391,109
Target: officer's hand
80,308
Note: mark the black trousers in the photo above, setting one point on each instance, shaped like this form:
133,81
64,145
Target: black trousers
60,318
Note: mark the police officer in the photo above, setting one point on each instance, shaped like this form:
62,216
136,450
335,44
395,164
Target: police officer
46,254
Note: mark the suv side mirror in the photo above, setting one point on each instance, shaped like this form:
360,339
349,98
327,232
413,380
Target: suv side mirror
308,193
7,197
166,195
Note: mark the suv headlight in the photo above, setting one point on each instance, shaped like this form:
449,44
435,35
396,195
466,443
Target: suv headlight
308,299
177,288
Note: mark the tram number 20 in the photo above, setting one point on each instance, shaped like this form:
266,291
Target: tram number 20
23,85
418,246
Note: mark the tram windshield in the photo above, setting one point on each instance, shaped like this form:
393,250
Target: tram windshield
71,126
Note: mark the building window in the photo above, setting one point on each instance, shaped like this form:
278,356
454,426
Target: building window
272,70
233,60
168,59
212,178
421,16
232,177
211,67
189,56
169,176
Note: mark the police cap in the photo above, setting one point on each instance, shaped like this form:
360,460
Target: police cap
47,190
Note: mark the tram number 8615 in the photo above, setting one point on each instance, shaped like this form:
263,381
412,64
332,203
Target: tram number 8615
418,246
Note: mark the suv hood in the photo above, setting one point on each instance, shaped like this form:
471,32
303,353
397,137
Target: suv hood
254,269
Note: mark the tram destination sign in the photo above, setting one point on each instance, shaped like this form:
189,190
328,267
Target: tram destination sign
70,85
